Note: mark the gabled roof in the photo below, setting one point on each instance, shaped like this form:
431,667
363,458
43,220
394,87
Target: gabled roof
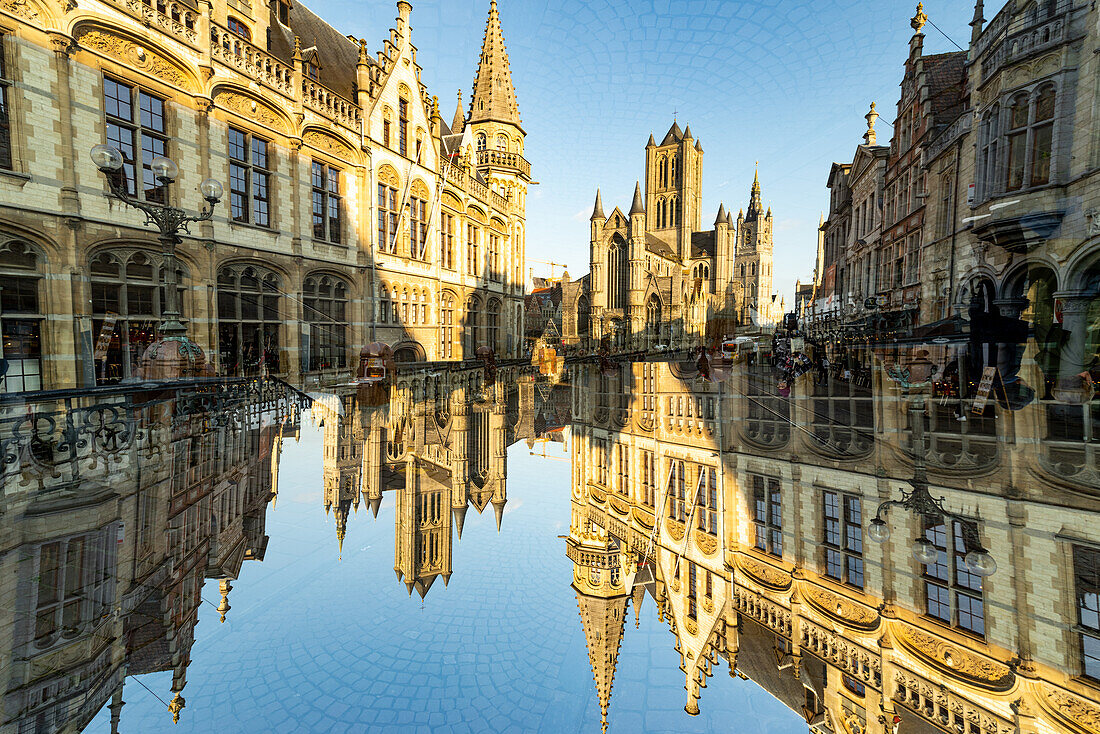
658,247
336,53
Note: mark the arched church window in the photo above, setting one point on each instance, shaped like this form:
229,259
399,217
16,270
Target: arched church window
662,172
753,268
673,173
618,274
502,142
482,141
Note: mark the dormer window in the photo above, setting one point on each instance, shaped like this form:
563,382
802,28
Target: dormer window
282,10
239,28
313,71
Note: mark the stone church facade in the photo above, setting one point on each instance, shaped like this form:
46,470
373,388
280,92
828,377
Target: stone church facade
656,276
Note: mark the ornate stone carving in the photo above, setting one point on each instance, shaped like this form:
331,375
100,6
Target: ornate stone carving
1092,216
21,8
1077,710
134,56
420,189
250,108
676,529
956,660
764,574
839,608
706,542
618,505
597,494
643,517
691,626
388,175
329,144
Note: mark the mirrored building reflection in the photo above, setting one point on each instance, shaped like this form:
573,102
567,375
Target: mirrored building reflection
116,508
747,517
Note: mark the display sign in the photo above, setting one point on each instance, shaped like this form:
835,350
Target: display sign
984,387
106,333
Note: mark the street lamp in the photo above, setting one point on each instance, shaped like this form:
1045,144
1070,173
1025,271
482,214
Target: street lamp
170,220
921,502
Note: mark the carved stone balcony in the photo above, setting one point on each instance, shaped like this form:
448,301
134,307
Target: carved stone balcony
504,159
1021,233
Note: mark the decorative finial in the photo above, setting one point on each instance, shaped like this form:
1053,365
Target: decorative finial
176,706
297,49
919,19
224,607
870,137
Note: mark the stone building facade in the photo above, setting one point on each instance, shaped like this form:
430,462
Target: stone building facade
353,212
743,518
656,276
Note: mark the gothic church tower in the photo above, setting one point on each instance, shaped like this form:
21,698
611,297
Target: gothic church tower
672,176
753,269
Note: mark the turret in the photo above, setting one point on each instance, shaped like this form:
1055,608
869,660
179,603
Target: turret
977,23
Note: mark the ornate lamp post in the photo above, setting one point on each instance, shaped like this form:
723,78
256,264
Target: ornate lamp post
920,501
171,221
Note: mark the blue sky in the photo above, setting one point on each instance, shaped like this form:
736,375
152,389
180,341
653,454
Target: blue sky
785,82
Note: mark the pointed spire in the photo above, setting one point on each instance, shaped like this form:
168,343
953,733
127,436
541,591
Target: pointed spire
637,207
400,573
698,146
722,216
869,137
602,620
494,97
639,597
375,503
729,217
977,22
652,143
459,119
597,210
674,135
755,204
498,510
459,515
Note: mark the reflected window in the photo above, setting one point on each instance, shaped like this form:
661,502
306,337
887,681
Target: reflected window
843,539
136,126
73,585
1086,576
447,326
767,514
21,318
953,594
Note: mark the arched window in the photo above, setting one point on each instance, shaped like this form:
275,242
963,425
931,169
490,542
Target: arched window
384,305
674,212
502,142
249,299
618,274
482,141
674,174
325,299
236,26
492,325
20,318
1042,136
1017,142
584,317
662,172
447,326
128,301
470,327
653,318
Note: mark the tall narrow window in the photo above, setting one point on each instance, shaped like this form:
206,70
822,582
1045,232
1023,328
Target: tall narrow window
693,604
1017,142
473,249
403,127
386,132
648,460
20,319
447,241
326,203
6,157
248,178
953,594
447,326
677,492
248,321
843,540
494,256
325,300
135,122
1042,137
707,501
387,218
492,325
418,228
1086,576
768,515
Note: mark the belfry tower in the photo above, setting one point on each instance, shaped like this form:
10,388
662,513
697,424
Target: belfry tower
753,267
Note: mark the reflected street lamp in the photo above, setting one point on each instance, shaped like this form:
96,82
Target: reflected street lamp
921,502
170,220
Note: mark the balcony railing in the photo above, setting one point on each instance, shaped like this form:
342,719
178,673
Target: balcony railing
504,159
251,61
175,19
318,98
1030,41
455,175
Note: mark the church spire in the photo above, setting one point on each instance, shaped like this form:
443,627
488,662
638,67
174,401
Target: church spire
637,207
494,97
597,210
603,620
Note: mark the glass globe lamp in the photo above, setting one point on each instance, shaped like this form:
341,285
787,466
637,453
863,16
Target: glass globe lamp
106,157
878,531
924,551
981,563
164,169
211,190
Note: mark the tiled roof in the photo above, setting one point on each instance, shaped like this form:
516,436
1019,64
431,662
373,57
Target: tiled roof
336,53
702,244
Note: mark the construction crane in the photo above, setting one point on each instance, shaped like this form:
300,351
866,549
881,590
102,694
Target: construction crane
551,263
